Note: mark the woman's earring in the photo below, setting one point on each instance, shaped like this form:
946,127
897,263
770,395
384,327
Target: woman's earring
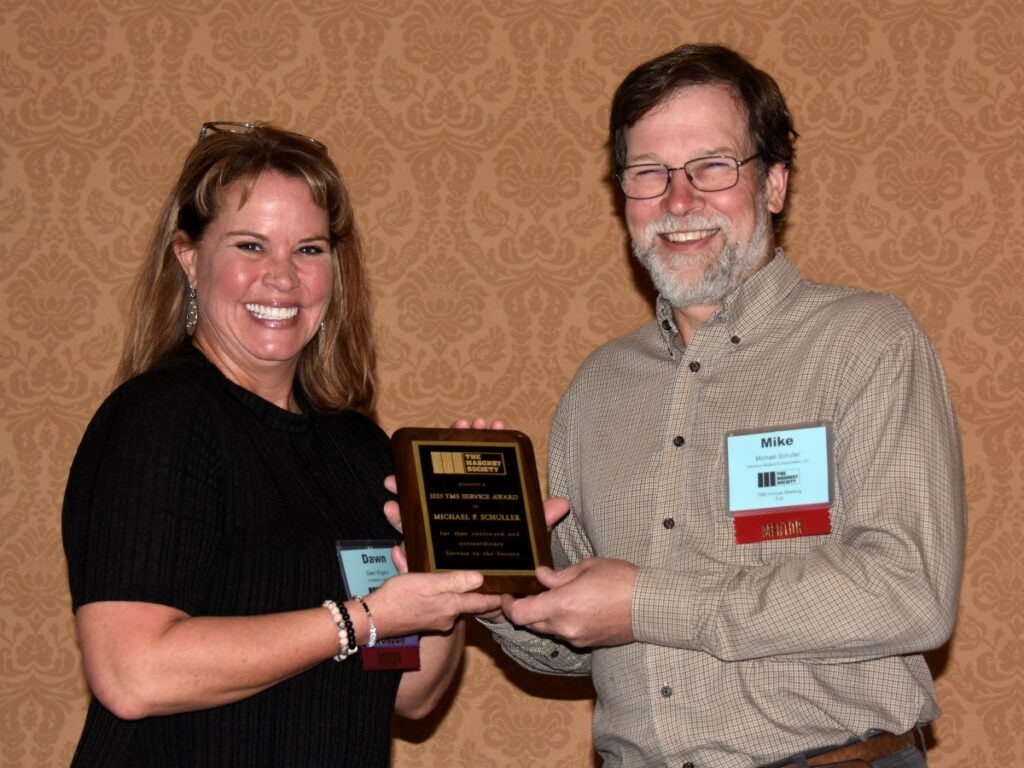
191,311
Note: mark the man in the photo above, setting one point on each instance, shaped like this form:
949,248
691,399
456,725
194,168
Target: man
767,508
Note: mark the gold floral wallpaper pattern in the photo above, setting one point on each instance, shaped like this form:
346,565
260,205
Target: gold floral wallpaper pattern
471,135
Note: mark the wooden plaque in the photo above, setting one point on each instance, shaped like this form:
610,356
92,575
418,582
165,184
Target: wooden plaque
471,500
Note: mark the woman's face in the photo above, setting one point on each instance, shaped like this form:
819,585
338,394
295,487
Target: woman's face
263,275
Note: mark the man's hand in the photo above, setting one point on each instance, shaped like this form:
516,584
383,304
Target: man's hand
588,605
478,423
555,509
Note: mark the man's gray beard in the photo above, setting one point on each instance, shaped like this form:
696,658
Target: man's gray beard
733,264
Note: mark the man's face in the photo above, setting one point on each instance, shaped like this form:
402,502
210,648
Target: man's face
698,246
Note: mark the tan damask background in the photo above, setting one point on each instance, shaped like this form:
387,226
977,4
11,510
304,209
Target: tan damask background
471,135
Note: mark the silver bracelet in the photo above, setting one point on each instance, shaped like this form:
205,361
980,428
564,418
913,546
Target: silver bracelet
373,627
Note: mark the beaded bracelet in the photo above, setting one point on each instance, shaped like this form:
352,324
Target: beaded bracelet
352,647
373,627
343,641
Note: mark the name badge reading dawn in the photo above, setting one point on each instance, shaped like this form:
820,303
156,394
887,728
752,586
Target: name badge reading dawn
780,482
365,565
470,500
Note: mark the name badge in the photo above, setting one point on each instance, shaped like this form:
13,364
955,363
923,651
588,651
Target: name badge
365,565
779,482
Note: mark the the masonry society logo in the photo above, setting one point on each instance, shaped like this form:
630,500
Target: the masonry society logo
777,477
467,463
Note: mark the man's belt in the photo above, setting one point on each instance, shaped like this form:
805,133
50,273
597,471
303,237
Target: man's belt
859,754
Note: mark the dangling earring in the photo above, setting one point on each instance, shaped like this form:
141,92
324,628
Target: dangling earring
191,311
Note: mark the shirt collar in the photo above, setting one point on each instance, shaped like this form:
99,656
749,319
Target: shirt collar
744,310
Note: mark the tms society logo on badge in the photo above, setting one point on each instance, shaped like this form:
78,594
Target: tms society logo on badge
775,478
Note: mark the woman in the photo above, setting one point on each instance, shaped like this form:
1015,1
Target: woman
208,494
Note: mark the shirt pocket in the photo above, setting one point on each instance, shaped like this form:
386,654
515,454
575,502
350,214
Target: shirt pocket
780,550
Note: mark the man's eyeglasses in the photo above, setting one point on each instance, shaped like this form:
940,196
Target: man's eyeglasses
707,174
226,126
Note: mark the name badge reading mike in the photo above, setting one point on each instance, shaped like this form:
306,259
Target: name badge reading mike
365,565
780,482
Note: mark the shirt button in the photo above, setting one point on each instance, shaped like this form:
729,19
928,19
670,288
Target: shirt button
666,325
669,523
694,366
687,765
554,654
678,440
735,339
666,691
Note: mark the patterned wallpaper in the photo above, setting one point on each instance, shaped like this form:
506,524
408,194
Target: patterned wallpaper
471,135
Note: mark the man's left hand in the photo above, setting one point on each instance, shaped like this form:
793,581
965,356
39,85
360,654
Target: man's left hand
587,605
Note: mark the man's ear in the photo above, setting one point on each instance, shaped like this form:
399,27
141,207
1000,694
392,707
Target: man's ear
775,187
185,252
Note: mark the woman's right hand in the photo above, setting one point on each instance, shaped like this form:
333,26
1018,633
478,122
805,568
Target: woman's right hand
412,603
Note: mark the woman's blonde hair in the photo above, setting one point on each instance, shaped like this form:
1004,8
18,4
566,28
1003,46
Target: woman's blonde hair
336,368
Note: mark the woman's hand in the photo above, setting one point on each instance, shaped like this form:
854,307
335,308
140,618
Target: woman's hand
413,603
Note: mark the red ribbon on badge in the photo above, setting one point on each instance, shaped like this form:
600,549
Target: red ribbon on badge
393,653
782,523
